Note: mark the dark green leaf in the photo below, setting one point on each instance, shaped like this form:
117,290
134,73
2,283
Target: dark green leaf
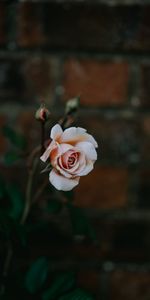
16,199
36,275
61,284
80,224
14,137
11,157
77,294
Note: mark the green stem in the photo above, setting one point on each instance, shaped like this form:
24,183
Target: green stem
42,136
29,191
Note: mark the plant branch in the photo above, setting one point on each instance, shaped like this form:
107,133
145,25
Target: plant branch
28,191
42,136
40,191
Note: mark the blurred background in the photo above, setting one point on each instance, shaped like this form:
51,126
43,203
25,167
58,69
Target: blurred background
100,50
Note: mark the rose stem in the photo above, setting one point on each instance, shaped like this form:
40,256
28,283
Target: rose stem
28,191
42,136
26,208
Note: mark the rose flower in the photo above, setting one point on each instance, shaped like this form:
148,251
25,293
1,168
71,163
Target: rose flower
72,154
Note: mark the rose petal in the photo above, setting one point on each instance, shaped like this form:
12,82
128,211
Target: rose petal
47,152
73,135
59,150
73,169
87,169
62,183
91,140
64,148
88,149
56,132
62,170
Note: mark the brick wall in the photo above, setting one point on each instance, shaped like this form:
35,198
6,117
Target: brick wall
99,50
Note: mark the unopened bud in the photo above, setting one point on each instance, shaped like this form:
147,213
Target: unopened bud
42,114
72,105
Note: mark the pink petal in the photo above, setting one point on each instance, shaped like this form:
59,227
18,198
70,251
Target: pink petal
62,183
73,169
73,135
64,148
82,163
87,169
92,140
47,152
88,149
56,132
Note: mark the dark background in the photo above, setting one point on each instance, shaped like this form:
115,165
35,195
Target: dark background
100,50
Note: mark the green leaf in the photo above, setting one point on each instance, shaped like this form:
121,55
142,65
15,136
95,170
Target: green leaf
11,157
77,294
80,224
14,137
16,199
36,275
61,284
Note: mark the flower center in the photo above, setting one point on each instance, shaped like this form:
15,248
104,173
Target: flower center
69,159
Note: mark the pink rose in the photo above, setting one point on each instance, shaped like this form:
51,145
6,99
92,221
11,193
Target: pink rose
72,154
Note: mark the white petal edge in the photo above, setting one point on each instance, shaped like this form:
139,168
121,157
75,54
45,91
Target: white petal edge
73,134
88,149
92,140
56,132
88,168
62,183
47,152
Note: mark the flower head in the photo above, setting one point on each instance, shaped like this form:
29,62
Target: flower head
72,154
42,114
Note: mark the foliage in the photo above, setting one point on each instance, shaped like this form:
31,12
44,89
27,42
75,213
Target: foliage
30,218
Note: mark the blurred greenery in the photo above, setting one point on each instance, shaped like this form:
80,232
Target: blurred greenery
36,275
14,137
61,284
24,275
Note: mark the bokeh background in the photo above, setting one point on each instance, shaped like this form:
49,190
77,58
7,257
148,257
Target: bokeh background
100,50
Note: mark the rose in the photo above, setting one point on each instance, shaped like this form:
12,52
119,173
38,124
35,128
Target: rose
72,154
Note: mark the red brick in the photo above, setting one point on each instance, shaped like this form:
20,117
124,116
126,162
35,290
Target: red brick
29,127
98,83
145,88
27,80
37,73
30,32
104,187
117,138
130,286
83,27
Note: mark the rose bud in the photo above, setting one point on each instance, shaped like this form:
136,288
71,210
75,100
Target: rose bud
72,154
42,114
72,105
